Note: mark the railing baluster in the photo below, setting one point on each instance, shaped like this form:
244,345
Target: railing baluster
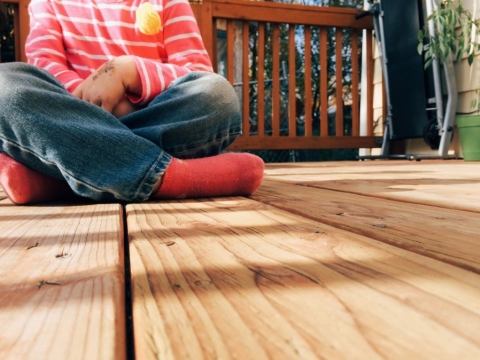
230,52
338,82
308,81
384,105
261,82
292,115
323,83
276,81
355,96
19,51
369,71
246,79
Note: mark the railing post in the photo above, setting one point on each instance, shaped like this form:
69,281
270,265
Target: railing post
23,27
202,9
3,22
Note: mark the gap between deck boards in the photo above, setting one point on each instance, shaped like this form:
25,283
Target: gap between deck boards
129,339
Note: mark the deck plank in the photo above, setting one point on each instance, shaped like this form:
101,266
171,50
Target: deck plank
235,278
449,184
444,234
61,282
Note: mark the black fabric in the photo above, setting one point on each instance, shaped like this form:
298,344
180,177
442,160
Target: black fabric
407,80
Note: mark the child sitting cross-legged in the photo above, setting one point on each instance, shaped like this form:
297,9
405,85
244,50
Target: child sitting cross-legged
118,101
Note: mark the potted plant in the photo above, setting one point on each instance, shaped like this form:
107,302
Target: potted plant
455,33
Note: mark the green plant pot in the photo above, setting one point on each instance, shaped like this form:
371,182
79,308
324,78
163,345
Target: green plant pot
469,130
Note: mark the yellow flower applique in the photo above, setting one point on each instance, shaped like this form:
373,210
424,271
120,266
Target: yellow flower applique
148,20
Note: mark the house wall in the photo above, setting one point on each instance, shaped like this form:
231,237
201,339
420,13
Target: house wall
468,77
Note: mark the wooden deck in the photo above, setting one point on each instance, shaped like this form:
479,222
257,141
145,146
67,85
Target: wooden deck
359,260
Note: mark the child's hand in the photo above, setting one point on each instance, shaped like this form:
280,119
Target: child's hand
124,108
107,86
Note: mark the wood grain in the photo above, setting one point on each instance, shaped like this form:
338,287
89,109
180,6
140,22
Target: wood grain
449,235
289,14
234,278
448,184
61,282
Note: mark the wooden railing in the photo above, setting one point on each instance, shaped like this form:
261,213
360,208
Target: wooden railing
280,112
288,115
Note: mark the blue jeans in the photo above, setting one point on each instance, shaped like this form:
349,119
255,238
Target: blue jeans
104,158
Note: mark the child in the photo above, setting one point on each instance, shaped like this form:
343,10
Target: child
118,101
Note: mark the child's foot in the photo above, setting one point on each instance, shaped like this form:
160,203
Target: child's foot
26,186
229,174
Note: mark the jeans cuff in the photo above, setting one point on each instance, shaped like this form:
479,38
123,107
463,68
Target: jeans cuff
152,177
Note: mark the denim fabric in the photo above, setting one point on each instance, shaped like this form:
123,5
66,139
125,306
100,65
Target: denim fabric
104,158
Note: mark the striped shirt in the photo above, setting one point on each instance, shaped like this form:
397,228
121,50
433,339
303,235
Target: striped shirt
73,38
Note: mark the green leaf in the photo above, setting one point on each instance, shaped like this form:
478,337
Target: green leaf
442,48
443,22
420,36
452,19
428,63
453,48
471,49
455,33
471,57
420,48
459,56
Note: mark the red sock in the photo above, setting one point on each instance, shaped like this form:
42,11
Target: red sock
25,186
229,174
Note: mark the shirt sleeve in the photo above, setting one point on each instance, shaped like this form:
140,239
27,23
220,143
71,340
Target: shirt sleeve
44,46
184,48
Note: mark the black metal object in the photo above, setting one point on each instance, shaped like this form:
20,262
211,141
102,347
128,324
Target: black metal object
397,24
411,90
404,69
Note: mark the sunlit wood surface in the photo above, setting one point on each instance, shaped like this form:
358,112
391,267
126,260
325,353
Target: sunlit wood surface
354,260
61,282
327,260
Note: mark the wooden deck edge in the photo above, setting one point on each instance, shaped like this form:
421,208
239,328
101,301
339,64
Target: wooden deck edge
387,220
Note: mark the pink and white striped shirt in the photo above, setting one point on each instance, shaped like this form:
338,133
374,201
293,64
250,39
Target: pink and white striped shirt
73,38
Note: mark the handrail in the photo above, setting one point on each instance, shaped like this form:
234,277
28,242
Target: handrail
288,13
